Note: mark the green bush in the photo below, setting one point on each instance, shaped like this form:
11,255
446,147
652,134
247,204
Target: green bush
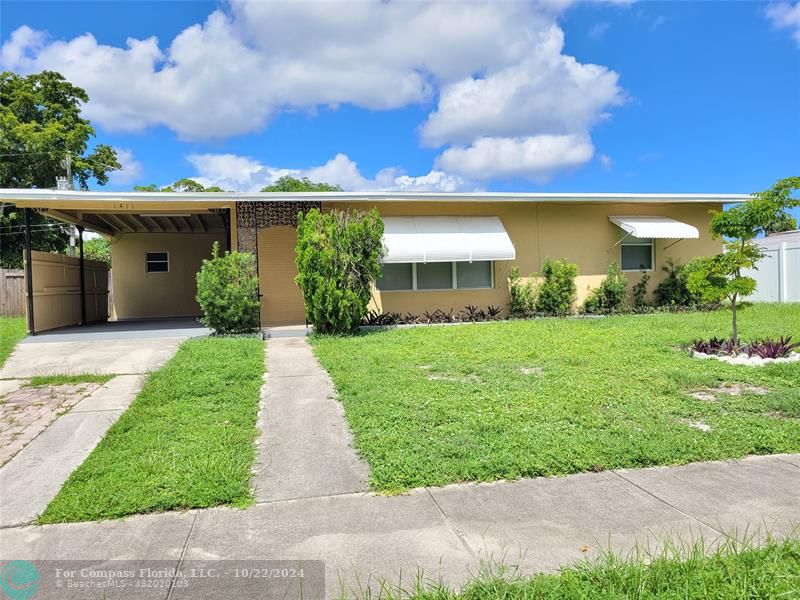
523,296
610,296
640,293
672,291
227,291
338,260
557,292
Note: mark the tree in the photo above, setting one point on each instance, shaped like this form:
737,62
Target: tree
717,278
182,185
97,249
40,120
338,259
290,184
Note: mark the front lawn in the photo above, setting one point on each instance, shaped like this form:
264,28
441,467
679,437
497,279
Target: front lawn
435,405
185,442
732,571
12,330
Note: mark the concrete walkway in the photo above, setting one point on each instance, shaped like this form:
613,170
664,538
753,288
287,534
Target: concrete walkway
305,448
31,479
537,524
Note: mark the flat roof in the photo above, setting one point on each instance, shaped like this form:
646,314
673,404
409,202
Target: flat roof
45,196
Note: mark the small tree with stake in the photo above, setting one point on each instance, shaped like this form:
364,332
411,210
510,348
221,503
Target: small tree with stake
717,278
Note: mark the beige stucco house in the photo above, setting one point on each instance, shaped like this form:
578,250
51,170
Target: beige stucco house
444,250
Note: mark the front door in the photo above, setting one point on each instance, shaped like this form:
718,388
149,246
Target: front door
281,299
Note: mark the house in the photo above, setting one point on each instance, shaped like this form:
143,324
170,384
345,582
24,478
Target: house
444,250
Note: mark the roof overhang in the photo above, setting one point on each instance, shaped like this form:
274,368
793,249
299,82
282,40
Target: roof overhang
653,227
36,198
445,239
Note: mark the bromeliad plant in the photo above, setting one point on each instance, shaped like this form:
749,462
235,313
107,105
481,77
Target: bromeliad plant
780,348
766,348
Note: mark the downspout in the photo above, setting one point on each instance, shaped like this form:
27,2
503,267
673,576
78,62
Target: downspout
29,271
83,275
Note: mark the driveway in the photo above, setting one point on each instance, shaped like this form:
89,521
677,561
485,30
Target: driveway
124,347
52,446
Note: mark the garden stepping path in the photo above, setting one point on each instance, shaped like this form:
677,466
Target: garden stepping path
306,447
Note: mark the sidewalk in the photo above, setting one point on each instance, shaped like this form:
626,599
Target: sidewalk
538,524
305,448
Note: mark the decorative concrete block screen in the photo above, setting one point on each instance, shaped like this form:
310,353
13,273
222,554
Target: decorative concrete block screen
57,290
778,274
252,216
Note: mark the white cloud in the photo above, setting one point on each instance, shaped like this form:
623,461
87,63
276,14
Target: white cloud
239,173
131,168
785,15
548,93
496,70
535,158
606,161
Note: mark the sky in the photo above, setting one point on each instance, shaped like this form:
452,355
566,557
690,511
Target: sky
560,96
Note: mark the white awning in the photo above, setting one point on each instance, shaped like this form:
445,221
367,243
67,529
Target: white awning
655,227
445,239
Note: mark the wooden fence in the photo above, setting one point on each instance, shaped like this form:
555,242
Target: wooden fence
12,292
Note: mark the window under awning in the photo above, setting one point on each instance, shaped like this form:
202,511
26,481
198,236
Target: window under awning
650,227
445,239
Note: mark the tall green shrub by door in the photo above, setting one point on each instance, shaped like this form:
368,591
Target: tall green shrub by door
338,259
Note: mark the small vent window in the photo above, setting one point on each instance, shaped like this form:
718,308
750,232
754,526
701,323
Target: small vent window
157,262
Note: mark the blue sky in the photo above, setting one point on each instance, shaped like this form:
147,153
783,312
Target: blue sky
682,97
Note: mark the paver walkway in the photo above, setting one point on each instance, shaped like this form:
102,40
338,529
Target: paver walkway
305,448
27,411
538,524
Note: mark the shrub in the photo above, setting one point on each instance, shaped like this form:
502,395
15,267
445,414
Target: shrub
227,291
557,292
523,295
610,296
672,291
338,259
640,293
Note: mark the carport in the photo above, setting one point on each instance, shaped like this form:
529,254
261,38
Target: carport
158,245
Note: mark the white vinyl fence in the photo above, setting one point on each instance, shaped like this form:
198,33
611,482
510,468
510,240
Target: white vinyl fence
778,273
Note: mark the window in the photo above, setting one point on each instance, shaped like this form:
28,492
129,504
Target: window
474,275
636,254
436,276
396,276
157,262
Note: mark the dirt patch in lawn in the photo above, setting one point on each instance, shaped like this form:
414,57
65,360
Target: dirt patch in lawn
699,425
532,370
471,378
727,389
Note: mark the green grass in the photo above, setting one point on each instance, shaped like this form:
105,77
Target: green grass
43,380
435,405
12,330
732,570
187,440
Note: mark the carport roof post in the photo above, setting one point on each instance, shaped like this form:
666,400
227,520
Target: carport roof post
29,271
